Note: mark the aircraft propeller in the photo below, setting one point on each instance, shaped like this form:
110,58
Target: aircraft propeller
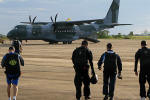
54,22
32,21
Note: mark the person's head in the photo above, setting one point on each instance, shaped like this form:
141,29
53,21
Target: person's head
109,46
84,43
143,43
11,49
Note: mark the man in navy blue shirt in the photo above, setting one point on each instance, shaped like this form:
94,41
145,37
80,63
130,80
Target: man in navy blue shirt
11,62
111,61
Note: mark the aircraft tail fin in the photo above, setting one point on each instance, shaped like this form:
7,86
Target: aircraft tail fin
112,15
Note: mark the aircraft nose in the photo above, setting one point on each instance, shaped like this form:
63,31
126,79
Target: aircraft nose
10,34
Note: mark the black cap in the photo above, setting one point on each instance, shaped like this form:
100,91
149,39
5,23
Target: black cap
143,43
109,45
11,48
84,42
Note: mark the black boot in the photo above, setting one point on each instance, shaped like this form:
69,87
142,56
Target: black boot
78,98
88,97
111,98
106,97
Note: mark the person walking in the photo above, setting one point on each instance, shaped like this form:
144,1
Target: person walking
111,61
80,58
17,45
143,55
11,62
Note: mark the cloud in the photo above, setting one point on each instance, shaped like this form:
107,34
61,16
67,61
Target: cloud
22,0
1,1
15,0
40,9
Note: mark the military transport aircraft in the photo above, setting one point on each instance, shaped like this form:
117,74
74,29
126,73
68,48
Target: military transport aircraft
66,31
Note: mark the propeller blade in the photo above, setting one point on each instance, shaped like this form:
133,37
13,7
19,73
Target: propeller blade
52,19
34,20
30,19
56,17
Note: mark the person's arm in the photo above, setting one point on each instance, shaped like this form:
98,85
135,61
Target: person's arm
137,56
73,56
3,61
20,46
101,61
119,64
21,60
91,61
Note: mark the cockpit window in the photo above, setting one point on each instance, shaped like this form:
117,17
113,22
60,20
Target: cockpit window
16,28
20,26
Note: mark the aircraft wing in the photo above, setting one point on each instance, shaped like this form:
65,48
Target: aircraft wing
80,22
67,22
36,23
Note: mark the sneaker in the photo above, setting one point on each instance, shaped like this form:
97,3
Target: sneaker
106,97
142,98
111,98
148,95
89,97
78,98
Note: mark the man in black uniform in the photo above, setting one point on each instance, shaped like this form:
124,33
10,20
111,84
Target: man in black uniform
111,61
80,58
17,45
143,55
11,62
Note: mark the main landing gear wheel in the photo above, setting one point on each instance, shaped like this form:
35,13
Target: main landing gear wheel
64,42
67,42
53,42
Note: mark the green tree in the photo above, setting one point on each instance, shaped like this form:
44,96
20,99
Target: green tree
131,33
103,34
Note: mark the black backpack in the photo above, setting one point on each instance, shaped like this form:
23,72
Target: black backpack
12,64
79,56
145,56
110,61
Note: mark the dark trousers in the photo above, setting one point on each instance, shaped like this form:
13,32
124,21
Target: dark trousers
78,80
17,51
109,81
143,77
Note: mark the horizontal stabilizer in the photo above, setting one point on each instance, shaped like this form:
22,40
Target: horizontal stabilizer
121,24
114,24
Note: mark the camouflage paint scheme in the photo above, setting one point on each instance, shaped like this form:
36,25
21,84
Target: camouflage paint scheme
67,31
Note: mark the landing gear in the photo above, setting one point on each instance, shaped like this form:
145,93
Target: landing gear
64,42
67,42
50,42
53,42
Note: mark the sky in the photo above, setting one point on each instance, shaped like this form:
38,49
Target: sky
136,12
